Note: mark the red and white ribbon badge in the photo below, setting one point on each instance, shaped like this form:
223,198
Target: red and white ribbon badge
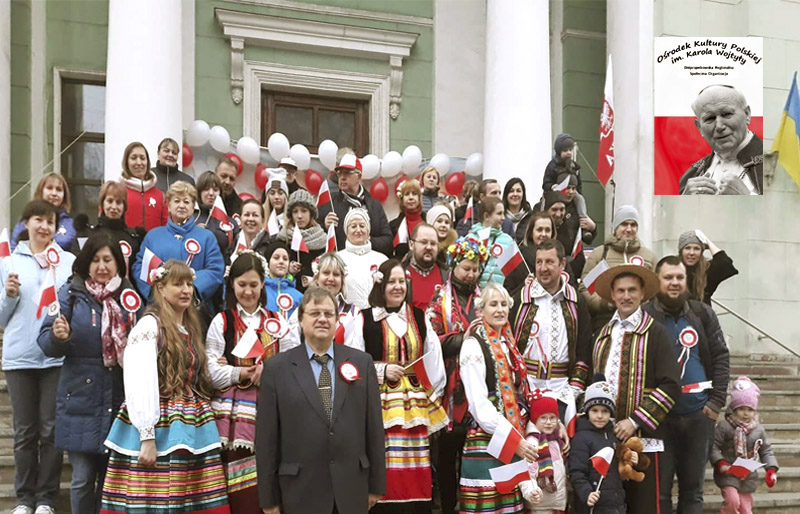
192,248
52,256
273,326
637,260
130,301
285,302
349,372
125,248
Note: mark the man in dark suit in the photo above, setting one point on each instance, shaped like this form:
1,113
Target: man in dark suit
319,430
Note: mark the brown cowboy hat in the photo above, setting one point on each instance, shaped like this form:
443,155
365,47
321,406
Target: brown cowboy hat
604,281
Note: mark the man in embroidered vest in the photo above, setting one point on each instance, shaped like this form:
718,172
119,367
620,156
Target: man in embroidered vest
698,346
553,329
634,352
420,265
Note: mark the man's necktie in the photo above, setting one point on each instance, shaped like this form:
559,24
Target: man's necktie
324,385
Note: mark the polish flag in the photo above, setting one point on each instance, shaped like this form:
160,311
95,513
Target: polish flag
402,233
344,329
504,442
507,477
571,418
272,224
324,195
241,242
331,245
468,213
743,467
601,460
509,260
562,186
605,155
298,243
47,294
5,244
150,261
578,246
591,277
249,346
484,234
421,367
218,212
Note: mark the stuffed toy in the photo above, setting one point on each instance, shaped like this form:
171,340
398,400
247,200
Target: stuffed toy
626,468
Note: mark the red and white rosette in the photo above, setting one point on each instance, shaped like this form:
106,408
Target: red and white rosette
192,248
237,219
688,339
52,256
349,372
274,327
130,301
285,302
637,260
535,329
54,308
226,227
565,277
125,247
496,250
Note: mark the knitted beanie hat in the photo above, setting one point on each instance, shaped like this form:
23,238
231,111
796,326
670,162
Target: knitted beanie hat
573,178
436,211
599,393
625,213
543,403
302,198
688,238
357,212
277,180
744,394
563,142
552,197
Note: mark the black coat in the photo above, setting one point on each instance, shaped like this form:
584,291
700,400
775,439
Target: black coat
118,231
584,478
226,243
380,234
168,175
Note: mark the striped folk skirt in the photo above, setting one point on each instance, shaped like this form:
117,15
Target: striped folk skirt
477,491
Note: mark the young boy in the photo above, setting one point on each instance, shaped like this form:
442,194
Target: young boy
595,432
549,469
563,161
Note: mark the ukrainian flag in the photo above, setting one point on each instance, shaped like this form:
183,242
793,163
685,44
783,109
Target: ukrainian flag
787,141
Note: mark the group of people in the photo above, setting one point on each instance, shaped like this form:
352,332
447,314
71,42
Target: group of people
198,362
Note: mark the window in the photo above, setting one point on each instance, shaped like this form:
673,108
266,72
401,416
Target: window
309,120
83,105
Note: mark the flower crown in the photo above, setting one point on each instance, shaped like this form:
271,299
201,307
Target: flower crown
158,274
255,254
467,247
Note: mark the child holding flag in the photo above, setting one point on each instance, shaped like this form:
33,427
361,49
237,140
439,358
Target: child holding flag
591,454
740,448
548,486
282,296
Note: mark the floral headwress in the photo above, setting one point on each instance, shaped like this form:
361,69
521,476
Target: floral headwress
158,274
467,247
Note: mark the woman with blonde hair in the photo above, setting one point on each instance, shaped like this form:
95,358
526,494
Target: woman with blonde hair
53,189
440,217
430,182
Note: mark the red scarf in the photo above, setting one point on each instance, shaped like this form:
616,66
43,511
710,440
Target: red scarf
412,219
112,326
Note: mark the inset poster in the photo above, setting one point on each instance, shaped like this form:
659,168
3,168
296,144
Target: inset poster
708,109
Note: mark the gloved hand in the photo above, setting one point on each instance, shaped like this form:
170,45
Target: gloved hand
722,466
772,477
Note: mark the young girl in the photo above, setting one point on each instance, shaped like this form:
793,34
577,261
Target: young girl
279,282
53,189
549,468
235,380
165,447
275,197
301,214
741,435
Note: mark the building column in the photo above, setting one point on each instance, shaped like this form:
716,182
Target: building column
630,43
517,128
5,114
143,77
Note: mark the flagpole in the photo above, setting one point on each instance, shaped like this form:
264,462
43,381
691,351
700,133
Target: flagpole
407,366
591,511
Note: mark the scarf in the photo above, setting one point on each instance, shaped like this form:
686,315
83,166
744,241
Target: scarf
508,375
357,200
314,236
138,184
413,218
112,327
740,433
546,476
516,218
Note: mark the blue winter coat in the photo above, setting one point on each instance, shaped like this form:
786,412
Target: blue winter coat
492,270
168,242
89,393
584,478
277,286
18,315
64,236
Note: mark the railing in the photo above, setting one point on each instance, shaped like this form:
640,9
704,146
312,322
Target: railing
752,325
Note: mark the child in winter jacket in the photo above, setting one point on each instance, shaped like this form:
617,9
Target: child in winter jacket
564,161
547,493
741,435
595,432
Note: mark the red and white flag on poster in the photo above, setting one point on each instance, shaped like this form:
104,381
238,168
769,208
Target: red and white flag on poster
507,477
591,277
402,233
504,442
743,467
298,243
150,261
605,155
5,244
47,294
219,213
601,460
331,245
249,346
578,246
509,260
571,418
324,195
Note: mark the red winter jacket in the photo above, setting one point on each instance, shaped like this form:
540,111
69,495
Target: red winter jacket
147,205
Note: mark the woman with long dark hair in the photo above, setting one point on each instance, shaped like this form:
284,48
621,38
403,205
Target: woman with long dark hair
703,276
518,210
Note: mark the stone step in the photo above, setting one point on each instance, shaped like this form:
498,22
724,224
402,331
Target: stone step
772,414
763,503
8,499
774,382
781,398
7,470
785,431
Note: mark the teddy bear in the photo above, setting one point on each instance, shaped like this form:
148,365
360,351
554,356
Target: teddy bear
627,471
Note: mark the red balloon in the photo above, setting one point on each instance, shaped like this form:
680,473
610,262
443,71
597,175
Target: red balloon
313,181
454,183
238,160
246,196
261,176
187,155
379,190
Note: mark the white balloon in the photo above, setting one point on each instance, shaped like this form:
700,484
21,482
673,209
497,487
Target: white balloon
392,164
441,162
327,153
198,133
412,158
220,139
300,156
248,150
278,146
371,166
474,164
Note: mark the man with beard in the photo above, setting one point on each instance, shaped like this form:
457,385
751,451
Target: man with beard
552,327
421,268
564,212
226,172
700,350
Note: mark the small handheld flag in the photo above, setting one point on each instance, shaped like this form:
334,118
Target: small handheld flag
298,243
5,244
507,477
510,259
741,468
150,261
324,195
571,418
402,233
590,281
562,186
219,213
578,246
468,212
249,346
331,244
601,460
421,367
47,294
504,442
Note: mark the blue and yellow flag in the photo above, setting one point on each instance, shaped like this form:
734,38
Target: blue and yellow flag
787,141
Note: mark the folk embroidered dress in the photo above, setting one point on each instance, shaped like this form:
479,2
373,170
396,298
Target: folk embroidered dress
493,374
234,403
188,476
411,413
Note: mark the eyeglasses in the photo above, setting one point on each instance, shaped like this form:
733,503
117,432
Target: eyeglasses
321,314
426,242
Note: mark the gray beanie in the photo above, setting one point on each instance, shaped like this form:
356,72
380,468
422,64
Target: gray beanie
599,393
625,213
302,198
688,238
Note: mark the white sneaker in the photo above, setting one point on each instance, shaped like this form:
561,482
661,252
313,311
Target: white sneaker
22,509
44,509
